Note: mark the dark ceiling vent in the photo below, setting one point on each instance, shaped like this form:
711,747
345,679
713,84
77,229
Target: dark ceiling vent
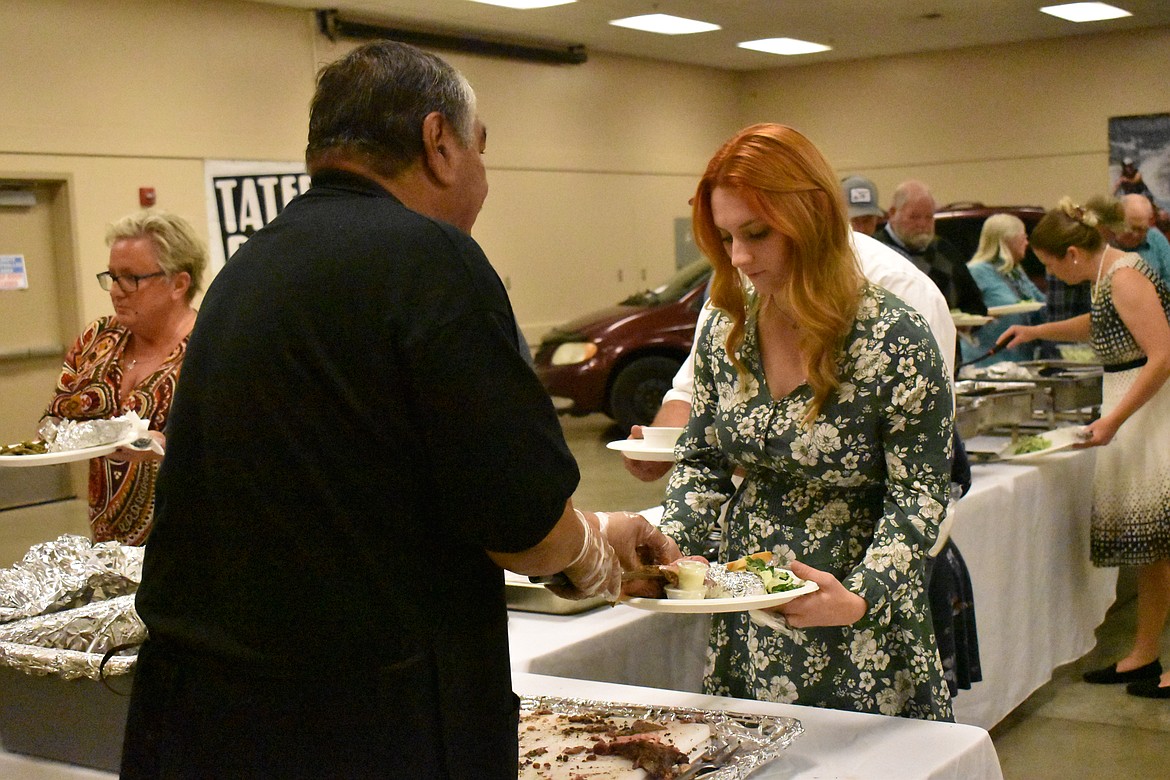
334,27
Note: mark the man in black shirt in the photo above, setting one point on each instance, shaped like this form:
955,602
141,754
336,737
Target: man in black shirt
356,447
910,230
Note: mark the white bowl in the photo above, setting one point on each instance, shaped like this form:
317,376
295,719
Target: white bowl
691,575
660,437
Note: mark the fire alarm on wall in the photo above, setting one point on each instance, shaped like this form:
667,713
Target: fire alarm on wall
146,197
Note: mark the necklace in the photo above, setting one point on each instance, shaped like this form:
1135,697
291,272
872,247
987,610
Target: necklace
170,347
1100,268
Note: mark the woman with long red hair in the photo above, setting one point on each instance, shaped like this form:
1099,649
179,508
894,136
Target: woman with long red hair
831,395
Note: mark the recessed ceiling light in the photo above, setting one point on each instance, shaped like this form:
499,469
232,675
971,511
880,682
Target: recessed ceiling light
665,24
1085,12
786,46
525,4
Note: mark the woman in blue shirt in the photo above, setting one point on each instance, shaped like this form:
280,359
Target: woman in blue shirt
996,269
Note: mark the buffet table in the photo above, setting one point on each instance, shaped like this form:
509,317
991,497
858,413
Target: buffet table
1023,531
834,744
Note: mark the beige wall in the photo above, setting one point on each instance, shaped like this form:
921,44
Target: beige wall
589,164
1017,124
588,167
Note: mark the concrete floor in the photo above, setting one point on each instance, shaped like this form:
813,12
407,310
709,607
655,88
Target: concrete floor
1067,730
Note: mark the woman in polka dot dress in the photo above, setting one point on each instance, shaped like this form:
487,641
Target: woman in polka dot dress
1129,330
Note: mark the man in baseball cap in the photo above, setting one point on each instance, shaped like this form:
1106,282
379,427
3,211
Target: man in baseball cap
861,197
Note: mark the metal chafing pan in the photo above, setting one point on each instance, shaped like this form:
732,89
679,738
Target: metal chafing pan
526,596
986,406
1067,386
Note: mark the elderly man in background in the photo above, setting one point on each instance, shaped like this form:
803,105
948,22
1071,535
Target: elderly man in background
861,198
357,447
1139,234
910,230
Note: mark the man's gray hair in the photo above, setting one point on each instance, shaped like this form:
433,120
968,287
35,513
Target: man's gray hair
370,105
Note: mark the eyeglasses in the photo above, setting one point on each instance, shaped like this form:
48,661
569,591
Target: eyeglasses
127,282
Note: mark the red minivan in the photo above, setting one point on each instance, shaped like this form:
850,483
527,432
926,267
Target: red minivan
620,360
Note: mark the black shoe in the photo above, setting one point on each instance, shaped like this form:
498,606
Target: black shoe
1110,676
1148,689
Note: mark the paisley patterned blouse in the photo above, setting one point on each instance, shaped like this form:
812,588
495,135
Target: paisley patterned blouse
860,493
121,495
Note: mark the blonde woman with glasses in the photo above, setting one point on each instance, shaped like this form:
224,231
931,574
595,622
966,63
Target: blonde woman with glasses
129,361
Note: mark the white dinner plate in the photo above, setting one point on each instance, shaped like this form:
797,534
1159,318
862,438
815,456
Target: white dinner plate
740,604
1061,438
638,449
1023,307
964,320
68,456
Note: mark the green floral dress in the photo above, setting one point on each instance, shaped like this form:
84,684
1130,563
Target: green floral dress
859,494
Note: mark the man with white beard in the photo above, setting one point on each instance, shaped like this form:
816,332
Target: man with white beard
910,231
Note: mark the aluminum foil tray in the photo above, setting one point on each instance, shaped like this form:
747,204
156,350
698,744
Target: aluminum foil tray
68,572
760,738
73,643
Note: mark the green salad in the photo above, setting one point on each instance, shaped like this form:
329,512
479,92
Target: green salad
1028,444
775,580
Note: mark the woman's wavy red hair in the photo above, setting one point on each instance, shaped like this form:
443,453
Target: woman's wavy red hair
788,182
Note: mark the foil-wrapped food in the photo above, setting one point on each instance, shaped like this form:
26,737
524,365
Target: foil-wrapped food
67,435
751,575
68,572
68,602
74,643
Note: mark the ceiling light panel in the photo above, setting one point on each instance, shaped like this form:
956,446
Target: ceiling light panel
525,5
665,24
785,46
1085,12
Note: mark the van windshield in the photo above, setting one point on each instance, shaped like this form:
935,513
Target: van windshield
684,280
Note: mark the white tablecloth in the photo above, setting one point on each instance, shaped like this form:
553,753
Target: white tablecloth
1023,531
834,744
613,644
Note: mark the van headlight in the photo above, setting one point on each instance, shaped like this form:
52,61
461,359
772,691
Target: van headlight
572,352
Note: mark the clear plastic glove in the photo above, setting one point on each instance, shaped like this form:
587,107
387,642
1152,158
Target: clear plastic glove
638,543
596,570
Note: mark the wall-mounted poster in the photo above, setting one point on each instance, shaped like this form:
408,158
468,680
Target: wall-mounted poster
244,196
13,275
1139,156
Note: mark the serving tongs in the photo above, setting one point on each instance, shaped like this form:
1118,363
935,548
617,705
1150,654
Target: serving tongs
997,348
